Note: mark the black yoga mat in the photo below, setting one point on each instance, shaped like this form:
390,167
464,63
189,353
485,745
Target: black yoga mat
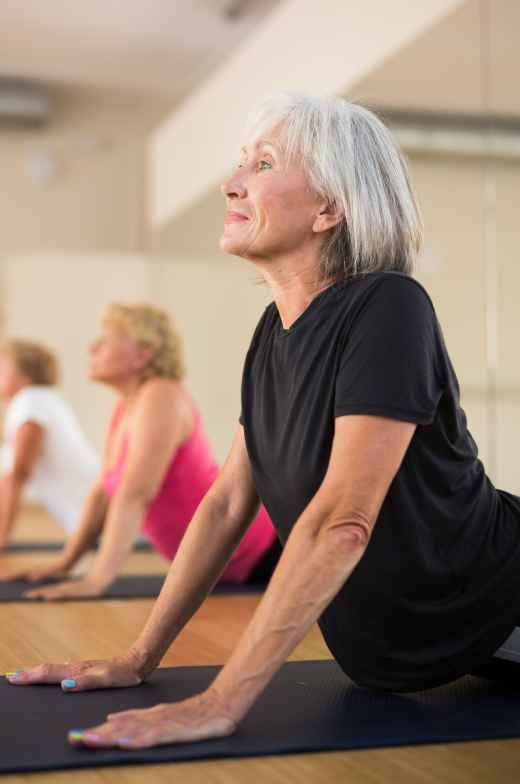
21,547
308,706
145,586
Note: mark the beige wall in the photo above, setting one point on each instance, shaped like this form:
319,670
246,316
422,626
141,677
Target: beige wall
67,248
97,199
216,307
453,271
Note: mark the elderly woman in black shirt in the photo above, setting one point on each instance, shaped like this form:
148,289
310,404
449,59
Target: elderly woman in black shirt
352,436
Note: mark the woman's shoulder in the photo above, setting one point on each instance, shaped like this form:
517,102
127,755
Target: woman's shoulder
160,394
382,295
35,398
267,321
395,285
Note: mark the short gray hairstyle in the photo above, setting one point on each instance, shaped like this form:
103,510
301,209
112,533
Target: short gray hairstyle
352,161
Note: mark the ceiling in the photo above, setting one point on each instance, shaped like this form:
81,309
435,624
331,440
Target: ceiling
164,46
169,46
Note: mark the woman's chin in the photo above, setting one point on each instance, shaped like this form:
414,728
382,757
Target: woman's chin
231,245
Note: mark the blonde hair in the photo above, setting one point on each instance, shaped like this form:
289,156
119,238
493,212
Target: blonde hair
351,160
148,326
33,361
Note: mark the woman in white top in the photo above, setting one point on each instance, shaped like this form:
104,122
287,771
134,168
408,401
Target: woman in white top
44,447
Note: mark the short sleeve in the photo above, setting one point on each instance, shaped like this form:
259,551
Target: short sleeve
392,358
29,405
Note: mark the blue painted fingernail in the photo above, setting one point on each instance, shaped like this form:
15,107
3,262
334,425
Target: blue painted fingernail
19,671
13,677
126,741
69,684
76,734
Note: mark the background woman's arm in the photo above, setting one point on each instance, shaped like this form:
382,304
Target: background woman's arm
83,538
157,430
29,440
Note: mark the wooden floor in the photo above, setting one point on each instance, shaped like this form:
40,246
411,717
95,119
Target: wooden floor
35,633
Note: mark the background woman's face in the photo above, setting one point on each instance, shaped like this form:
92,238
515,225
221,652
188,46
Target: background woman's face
271,208
11,380
114,357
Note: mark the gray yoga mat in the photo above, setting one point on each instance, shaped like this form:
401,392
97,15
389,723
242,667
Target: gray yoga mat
146,586
308,706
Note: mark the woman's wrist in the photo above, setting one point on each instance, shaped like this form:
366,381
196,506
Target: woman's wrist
142,663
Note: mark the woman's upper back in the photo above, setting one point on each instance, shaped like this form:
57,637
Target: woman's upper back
186,477
186,461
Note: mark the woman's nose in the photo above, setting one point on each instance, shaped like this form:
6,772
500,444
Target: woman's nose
234,186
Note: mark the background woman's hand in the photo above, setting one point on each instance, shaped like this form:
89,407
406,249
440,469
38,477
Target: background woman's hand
199,718
125,670
70,589
54,572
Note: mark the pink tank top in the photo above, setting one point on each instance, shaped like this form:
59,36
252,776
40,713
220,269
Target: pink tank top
190,474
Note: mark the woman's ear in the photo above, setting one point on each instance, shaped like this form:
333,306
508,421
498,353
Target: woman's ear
143,356
327,217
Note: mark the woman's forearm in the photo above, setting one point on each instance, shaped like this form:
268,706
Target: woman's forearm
11,487
123,522
207,547
88,530
313,568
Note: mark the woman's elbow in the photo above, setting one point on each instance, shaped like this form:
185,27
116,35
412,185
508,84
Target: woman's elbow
348,534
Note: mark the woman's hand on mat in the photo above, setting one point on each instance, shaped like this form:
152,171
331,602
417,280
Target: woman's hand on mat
70,589
53,572
199,718
125,670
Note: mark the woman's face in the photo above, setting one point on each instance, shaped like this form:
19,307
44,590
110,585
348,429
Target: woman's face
114,357
11,380
272,212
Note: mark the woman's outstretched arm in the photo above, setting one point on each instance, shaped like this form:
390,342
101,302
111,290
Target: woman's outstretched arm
28,444
325,545
157,429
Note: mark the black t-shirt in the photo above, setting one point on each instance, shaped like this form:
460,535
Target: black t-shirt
438,588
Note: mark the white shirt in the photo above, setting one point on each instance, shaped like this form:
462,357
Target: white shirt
67,465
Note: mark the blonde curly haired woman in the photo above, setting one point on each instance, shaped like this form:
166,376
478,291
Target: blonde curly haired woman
158,464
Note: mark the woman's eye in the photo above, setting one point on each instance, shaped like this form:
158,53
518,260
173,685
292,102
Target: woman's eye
265,165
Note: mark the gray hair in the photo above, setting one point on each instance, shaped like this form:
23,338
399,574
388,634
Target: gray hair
353,162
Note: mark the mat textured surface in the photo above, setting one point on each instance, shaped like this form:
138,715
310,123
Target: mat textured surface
143,586
308,706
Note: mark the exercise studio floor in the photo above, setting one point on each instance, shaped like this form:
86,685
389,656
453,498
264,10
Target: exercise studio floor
41,632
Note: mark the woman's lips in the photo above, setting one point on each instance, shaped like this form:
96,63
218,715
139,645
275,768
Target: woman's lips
235,217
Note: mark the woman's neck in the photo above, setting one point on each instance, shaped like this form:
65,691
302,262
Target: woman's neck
294,287
127,390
